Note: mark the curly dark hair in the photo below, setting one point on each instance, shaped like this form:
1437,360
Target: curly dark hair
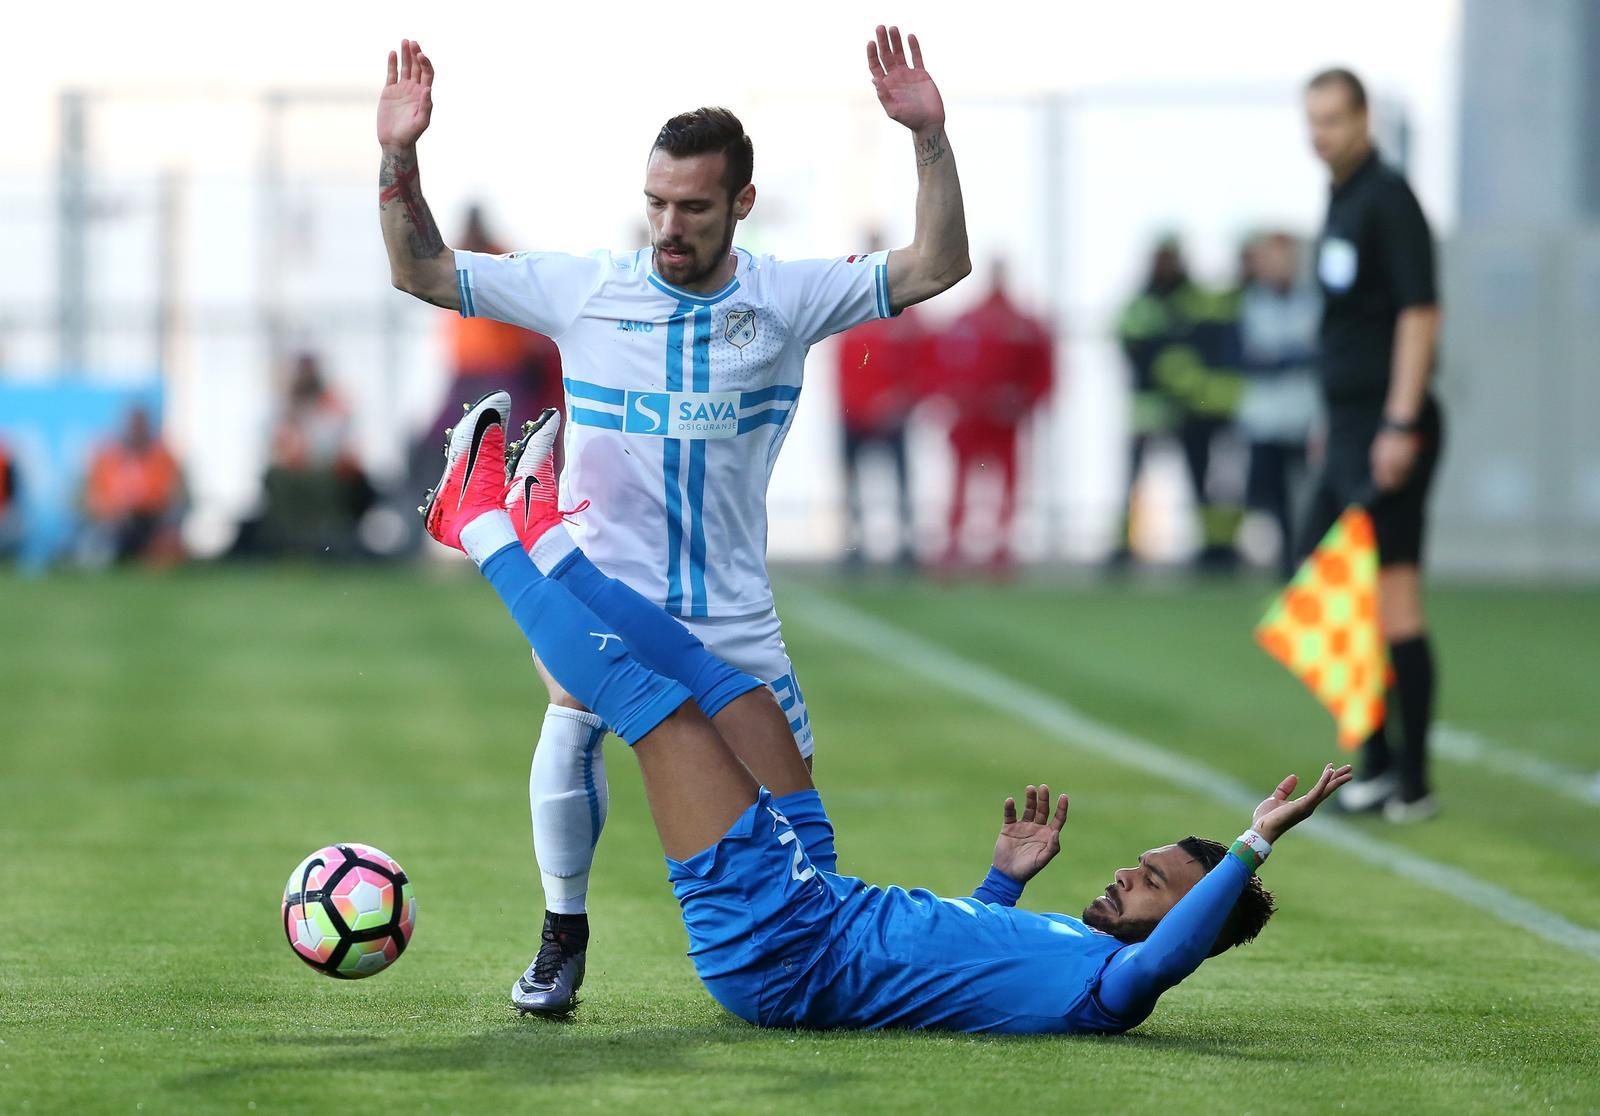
1255,903
706,130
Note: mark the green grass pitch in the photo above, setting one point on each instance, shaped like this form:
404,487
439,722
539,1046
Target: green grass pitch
171,746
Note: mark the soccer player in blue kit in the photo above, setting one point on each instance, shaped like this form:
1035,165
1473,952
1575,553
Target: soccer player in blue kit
778,936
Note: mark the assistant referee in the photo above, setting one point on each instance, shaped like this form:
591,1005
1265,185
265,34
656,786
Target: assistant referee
1380,329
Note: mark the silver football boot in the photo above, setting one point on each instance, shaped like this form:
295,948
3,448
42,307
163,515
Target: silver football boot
550,986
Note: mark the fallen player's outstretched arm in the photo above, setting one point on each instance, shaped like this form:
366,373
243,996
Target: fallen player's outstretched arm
1139,974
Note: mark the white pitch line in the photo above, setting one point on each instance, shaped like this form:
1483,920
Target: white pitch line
1074,728
1465,746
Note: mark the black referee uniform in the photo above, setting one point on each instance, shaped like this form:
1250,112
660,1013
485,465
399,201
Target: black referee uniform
1374,259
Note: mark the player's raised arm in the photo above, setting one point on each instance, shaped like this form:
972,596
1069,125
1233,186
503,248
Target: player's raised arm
1188,933
419,262
937,257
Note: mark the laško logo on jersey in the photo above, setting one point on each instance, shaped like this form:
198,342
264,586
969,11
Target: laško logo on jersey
681,414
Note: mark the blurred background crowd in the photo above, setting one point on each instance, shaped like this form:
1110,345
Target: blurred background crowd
213,365
976,385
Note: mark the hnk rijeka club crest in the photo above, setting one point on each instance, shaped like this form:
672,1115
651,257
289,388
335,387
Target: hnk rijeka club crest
741,328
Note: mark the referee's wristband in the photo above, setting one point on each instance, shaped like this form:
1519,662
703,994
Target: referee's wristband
1252,848
1400,426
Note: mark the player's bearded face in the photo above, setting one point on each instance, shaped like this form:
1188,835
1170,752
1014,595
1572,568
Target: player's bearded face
1139,897
685,258
691,216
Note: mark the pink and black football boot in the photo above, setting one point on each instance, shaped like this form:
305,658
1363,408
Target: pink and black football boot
531,479
473,481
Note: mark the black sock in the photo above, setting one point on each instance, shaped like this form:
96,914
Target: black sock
571,929
1375,757
1413,684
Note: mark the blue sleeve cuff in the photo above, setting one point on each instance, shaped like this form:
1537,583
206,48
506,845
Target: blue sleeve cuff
997,887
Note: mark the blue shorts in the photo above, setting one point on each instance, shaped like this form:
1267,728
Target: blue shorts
758,912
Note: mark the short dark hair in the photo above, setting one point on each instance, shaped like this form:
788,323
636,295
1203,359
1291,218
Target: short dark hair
1341,76
706,130
1253,908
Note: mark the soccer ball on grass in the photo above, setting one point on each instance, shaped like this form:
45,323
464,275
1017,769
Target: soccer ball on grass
349,911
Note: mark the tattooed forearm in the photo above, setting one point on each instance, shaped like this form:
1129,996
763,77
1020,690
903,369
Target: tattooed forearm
400,197
931,150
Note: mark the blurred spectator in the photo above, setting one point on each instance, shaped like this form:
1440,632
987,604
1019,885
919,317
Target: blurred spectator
882,363
10,503
1181,341
995,365
133,498
1278,321
315,487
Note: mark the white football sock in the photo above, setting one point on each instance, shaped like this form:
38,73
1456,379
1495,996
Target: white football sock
490,532
568,795
552,546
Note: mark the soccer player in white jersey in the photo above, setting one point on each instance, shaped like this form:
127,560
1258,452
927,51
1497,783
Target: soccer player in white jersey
684,362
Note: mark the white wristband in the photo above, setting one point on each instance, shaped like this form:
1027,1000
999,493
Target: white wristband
1252,848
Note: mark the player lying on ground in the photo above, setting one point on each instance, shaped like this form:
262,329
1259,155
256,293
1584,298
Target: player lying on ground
778,937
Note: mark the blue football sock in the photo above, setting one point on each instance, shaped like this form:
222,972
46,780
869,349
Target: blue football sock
655,638
811,825
588,658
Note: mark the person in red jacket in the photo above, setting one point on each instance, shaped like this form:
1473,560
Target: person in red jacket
881,365
996,364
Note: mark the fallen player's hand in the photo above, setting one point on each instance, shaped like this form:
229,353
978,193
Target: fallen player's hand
1278,814
1028,843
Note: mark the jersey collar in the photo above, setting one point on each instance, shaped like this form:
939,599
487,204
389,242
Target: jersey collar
689,296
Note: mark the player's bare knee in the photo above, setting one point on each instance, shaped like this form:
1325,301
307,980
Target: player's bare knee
558,696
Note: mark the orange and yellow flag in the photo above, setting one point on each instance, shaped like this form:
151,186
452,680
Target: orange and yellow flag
1324,627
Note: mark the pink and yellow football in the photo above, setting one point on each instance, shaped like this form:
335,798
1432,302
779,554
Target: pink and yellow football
349,911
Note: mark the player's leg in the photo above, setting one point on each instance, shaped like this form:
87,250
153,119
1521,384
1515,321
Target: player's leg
767,729
744,711
1376,784
1399,520
747,715
696,786
569,800
757,729
774,735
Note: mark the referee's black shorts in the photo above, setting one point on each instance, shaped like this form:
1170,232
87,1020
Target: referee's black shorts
1399,518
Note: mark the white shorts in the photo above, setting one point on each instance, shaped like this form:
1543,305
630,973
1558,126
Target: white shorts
754,644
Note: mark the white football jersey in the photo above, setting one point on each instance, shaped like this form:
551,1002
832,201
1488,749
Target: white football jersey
677,402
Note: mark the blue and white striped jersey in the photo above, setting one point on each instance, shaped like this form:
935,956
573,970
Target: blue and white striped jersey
677,402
